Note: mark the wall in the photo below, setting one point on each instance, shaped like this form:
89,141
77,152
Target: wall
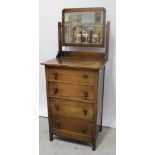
49,15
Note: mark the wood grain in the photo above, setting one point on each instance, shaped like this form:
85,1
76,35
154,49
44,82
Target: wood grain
86,77
75,63
71,90
72,125
71,109
71,135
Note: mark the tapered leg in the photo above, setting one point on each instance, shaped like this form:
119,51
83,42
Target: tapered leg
51,136
94,145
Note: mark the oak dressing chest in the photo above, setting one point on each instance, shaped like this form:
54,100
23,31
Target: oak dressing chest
75,79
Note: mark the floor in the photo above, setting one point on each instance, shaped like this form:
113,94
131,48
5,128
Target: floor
106,143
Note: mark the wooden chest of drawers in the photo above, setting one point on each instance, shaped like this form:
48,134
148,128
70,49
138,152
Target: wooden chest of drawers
75,79
74,95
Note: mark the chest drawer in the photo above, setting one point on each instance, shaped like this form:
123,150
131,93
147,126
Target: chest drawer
71,75
72,125
73,91
71,109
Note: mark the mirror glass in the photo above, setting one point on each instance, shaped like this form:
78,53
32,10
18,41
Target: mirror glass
83,27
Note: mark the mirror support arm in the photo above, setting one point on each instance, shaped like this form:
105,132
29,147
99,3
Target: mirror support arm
107,40
59,39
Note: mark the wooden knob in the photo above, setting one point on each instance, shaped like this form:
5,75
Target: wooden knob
57,107
85,76
84,129
55,90
58,125
55,75
85,111
85,93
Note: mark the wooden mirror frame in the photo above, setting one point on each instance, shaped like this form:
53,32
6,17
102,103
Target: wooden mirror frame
84,10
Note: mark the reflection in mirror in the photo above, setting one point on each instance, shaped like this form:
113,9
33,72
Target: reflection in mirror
83,27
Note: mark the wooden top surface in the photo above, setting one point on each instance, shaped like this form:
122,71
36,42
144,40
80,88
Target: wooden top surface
75,63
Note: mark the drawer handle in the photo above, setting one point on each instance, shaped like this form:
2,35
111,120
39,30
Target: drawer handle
55,75
85,76
84,129
55,90
56,107
85,111
58,125
85,93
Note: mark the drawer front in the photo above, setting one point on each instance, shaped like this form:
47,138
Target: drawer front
73,91
72,135
72,125
71,109
71,75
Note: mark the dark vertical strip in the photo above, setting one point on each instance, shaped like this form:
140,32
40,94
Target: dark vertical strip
59,39
107,40
102,97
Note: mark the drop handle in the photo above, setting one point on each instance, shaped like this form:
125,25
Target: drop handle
58,125
85,93
56,107
55,90
85,112
84,129
55,75
85,76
